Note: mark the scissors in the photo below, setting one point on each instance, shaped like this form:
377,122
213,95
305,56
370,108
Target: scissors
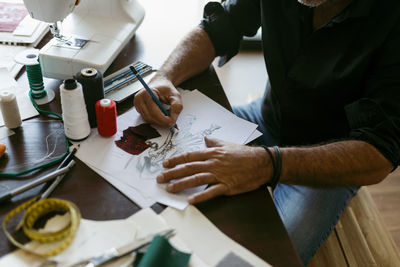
115,253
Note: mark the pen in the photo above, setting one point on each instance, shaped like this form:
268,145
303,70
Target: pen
151,93
53,185
38,181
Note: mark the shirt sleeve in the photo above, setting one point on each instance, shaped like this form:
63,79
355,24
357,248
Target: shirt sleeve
227,23
376,117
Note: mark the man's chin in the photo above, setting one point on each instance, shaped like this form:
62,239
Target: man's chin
312,3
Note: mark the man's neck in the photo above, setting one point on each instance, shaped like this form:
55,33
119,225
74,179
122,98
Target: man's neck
328,10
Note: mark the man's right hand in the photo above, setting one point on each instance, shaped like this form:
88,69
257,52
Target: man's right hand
194,54
168,94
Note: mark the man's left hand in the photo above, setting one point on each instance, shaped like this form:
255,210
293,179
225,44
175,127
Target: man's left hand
230,169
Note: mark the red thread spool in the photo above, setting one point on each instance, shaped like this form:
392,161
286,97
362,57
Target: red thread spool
106,113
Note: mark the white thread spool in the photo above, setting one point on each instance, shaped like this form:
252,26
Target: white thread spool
10,110
75,116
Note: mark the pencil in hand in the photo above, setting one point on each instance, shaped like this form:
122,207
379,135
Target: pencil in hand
151,93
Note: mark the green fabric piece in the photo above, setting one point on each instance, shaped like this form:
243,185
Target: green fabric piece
138,258
161,253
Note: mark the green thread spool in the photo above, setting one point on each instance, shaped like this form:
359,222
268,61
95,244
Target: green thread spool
35,79
30,58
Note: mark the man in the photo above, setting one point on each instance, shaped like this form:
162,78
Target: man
331,104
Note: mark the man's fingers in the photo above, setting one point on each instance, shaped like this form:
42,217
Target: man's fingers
149,110
182,171
211,192
155,113
191,181
187,158
176,107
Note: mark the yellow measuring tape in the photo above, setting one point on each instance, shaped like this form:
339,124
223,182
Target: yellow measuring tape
36,209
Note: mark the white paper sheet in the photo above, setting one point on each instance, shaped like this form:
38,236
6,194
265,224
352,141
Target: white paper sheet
254,136
7,55
5,132
27,26
139,197
200,117
205,239
26,109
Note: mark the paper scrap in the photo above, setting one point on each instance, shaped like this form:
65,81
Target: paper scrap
7,55
205,239
26,27
233,260
5,132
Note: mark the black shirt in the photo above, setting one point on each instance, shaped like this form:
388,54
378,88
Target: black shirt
339,82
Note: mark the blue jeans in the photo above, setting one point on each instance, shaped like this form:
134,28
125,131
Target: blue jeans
309,214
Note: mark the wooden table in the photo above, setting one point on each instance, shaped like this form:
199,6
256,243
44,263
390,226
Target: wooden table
250,219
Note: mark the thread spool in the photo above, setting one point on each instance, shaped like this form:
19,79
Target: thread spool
30,58
10,110
93,90
76,122
106,112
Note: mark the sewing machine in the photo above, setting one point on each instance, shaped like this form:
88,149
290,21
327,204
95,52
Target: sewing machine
89,34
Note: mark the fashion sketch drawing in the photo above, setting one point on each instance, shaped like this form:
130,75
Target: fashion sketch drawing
177,142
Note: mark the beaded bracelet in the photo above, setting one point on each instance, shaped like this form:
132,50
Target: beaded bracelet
276,164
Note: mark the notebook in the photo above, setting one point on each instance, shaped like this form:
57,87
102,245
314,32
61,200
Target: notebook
123,83
17,27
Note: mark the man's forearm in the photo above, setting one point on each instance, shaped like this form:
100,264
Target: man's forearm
341,163
193,55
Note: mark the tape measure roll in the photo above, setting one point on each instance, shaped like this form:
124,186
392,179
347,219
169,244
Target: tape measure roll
36,209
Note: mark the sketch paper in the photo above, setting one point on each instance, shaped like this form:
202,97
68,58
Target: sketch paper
253,136
138,196
26,108
133,139
200,117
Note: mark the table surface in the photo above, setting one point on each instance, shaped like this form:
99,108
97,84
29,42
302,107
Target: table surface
250,219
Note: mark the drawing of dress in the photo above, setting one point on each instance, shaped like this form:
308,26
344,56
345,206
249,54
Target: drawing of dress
176,143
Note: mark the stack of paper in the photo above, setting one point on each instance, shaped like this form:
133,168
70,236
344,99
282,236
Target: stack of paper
195,234
135,175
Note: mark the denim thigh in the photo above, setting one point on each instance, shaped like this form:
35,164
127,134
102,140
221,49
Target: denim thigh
308,213
252,112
